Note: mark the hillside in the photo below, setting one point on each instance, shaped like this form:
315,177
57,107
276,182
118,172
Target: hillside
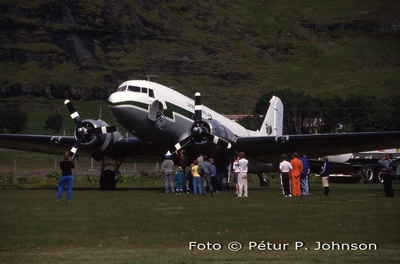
232,51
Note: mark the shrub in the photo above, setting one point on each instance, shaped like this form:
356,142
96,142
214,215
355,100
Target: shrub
6,179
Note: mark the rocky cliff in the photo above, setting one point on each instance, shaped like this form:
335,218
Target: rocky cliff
84,49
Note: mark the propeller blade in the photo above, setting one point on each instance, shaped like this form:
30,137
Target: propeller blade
181,144
219,141
74,149
198,108
72,111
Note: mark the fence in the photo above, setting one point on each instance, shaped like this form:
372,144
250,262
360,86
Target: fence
83,166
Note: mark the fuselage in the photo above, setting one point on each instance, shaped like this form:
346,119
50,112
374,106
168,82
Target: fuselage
364,157
161,115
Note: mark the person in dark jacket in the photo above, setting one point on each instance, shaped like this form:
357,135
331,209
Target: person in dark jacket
205,169
325,171
67,178
386,163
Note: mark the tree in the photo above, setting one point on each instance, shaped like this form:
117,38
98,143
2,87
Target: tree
12,119
54,123
358,113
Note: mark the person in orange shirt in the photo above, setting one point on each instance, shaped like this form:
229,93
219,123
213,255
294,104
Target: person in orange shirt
297,166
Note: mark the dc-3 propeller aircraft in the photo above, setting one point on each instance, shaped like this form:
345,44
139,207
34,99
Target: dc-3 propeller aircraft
162,119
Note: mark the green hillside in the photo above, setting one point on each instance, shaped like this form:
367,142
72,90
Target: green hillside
231,51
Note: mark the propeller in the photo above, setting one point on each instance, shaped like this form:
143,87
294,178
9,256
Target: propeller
85,131
200,132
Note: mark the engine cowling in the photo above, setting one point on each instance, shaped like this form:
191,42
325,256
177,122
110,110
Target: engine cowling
205,131
92,141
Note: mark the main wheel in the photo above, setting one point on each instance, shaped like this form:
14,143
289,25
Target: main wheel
368,174
108,180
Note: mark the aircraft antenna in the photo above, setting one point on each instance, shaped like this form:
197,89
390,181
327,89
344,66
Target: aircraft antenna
150,76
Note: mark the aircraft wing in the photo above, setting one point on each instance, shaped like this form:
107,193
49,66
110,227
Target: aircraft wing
121,149
270,148
37,143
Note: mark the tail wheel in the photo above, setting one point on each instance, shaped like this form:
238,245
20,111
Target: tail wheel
263,181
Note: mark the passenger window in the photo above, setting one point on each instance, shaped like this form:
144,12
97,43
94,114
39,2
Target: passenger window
144,90
134,89
151,93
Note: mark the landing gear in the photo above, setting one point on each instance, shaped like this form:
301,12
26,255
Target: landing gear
222,181
109,177
263,181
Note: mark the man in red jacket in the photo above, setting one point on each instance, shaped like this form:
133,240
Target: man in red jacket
297,168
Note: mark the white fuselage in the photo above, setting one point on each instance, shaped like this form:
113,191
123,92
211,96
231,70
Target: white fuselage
131,105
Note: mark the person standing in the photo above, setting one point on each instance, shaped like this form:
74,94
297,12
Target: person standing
242,167
189,184
325,171
205,169
213,175
297,168
67,178
285,167
235,175
167,169
304,184
183,160
386,163
196,178
179,178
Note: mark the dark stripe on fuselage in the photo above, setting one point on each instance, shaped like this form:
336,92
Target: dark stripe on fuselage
171,108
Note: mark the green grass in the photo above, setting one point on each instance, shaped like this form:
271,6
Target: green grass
144,225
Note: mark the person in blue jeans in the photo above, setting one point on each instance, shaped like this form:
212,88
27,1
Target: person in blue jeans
179,178
67,178
304,184
197,188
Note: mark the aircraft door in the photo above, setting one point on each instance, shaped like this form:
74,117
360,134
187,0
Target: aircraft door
154,107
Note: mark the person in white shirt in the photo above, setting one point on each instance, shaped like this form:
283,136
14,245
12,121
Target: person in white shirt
241,167
285,168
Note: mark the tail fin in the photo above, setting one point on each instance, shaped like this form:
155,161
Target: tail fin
273,120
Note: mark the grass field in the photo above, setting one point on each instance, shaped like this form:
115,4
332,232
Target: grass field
144,225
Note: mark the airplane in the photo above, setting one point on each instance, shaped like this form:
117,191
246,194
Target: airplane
161,119
350,167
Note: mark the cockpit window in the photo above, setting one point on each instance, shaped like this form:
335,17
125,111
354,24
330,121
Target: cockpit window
122,88
134,89
137,89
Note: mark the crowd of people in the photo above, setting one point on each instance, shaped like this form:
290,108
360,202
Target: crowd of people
201,175
295,175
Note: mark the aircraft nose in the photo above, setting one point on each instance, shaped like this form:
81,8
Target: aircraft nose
115,98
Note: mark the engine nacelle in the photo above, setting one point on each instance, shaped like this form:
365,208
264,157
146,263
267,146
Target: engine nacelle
201,131
92,141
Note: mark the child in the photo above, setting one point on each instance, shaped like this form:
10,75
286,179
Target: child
179,178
